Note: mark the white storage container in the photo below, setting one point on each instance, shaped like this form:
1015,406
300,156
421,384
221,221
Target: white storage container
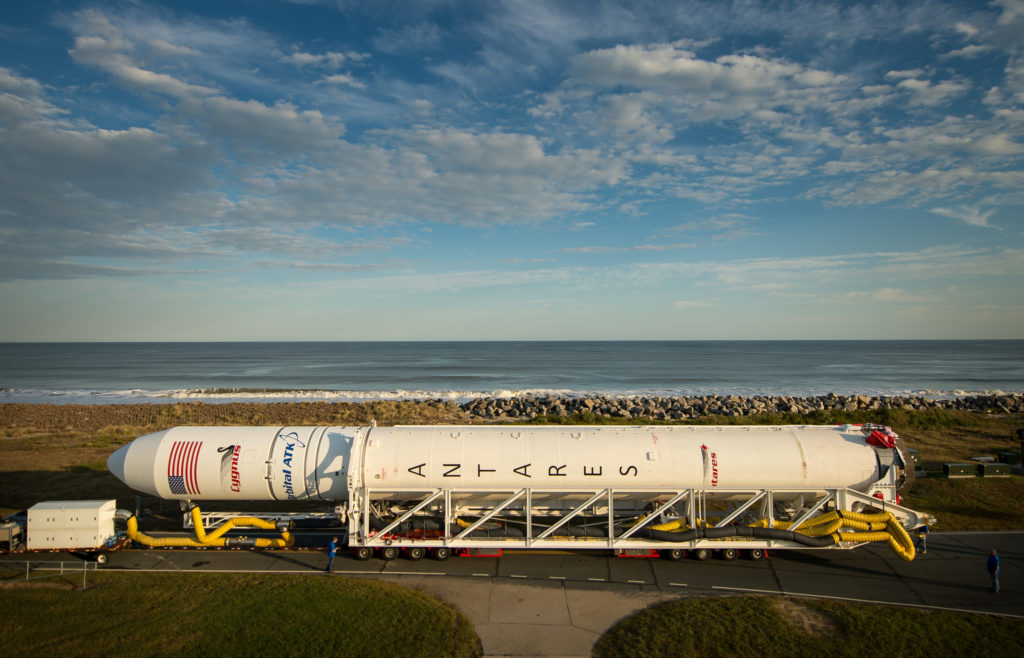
70,524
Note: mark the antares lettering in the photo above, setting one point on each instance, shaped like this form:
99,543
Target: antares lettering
452,470
710,460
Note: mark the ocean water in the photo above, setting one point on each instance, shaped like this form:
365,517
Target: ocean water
104,373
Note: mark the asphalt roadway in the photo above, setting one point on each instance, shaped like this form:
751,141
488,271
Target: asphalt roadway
560,603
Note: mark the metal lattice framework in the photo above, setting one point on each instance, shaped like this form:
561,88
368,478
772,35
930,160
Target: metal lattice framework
542,515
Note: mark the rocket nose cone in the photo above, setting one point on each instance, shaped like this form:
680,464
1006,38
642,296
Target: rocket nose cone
115,462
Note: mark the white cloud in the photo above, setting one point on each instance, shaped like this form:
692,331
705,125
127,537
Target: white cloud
667,67
967,215
926,93
884,295
343,79
967,52
166,49
330,60
966,29
281,128
683,305
1013,11
624,249
531,261
108,54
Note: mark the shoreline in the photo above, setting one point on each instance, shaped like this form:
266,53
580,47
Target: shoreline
440,410
686,407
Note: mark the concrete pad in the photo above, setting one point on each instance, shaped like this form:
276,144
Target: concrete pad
536,617
536,603
535,640
470,597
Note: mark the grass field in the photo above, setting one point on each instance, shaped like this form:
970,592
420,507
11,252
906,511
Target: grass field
227,615
785,627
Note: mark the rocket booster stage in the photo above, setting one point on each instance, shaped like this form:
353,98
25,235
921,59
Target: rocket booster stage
326,463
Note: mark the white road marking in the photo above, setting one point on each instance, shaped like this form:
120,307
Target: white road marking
637,582
596,580
677,584
515,575
557,577
749,589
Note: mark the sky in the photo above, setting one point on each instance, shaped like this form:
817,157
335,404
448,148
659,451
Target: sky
445,170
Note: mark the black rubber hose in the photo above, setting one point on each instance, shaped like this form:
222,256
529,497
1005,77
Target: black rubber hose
740,531
418,523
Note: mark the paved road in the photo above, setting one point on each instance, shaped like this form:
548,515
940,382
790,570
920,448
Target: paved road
559,604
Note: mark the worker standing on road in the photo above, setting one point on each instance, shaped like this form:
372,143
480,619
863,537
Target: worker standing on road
332,548
993,570
922,536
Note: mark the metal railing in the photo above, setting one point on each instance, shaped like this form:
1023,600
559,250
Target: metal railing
53,569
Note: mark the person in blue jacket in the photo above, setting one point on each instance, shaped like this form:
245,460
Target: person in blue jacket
332,548
922,537
993,570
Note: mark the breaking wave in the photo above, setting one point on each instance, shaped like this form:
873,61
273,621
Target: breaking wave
227,395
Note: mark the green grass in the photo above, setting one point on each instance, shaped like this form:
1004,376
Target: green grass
757,626
228,615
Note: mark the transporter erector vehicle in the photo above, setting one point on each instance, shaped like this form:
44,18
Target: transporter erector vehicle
650,490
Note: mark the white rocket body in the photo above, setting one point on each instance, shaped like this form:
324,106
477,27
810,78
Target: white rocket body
327,463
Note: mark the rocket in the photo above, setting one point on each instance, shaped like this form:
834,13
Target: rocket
330,463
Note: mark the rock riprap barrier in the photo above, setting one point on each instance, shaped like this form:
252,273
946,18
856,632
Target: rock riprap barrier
682,408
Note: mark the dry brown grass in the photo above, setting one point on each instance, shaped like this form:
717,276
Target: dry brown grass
960,444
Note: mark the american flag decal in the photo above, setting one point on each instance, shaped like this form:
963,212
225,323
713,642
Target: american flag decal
182,470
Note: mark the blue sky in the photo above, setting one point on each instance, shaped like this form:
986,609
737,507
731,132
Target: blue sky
332,170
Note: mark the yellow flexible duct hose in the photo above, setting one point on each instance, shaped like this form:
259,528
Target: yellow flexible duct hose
860,527
214,539
822,529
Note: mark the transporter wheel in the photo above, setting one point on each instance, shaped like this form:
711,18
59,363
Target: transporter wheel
673,554
362,552
442,553
415,553
701,554
755,554
728,553
388,553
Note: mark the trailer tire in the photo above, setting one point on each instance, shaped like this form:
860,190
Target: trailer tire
388,553
674,554
415,553
442,553
701,554
100,558
728,553
362,552
755,554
